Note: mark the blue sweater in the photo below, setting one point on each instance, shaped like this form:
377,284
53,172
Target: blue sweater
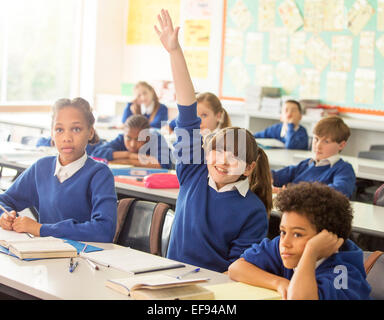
293,139
83,207
211,229
340,176
156,147
161,115
46,142
266,256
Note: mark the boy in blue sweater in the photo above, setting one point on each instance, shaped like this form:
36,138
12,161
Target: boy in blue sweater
312,258
73,194
139,146
222,205
289,131
330,136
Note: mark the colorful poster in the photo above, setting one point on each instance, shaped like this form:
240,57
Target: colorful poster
142,16
341,59
313,15
254,48
240,15
197,61
367,49
309,84
318,52
359,15
197,33
336,86
234,40
297,48
290,15
266,15
365,86
334,16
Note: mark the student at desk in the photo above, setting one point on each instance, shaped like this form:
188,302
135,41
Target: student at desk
139,146
289,131
146,103
330,136
222,204
74,195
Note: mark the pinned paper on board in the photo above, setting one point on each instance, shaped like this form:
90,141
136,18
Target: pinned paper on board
337,86
365,86
334,15
238,74
197,61
287,75
367,49
318,52
197,33
380,44
241,15
266,15
264,75
309,84
380,15
278,44
254,48
199,8
290,15
341,59
234,40
297,48
359,15
313,15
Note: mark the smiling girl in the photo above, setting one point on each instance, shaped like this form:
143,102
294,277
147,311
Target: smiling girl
222,206
73,194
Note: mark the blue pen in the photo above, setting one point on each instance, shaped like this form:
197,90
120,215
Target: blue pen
73,267
187,273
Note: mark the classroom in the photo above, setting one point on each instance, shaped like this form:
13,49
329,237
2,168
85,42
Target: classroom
192,149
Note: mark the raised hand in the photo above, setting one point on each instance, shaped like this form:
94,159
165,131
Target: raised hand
167,34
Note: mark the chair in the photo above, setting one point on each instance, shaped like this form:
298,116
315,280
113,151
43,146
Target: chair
374,268
144,225
375,155
378,198
377,147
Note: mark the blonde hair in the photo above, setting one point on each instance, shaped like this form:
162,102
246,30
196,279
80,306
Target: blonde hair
154,95
215,105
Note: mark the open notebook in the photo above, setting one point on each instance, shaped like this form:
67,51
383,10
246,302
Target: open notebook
269,143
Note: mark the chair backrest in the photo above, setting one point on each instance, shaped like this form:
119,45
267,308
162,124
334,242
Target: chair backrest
374,267
144,225
375,155
377,147
378,197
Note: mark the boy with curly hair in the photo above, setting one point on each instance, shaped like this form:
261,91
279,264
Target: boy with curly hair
312,258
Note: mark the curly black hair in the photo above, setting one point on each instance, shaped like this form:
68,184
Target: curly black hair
325,207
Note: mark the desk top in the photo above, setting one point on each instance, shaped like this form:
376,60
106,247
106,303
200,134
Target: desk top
50,278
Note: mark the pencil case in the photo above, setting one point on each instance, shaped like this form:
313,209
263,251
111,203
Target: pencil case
161,181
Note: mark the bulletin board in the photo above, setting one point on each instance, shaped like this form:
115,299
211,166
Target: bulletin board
332,50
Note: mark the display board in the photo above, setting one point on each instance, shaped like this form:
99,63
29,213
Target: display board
332,50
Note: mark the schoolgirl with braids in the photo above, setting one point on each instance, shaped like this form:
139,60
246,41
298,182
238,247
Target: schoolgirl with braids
73,194
225,184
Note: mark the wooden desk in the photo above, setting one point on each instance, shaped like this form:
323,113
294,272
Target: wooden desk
50,278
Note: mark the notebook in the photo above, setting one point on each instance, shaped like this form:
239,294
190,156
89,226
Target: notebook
152,282
131,261
270,143
242,291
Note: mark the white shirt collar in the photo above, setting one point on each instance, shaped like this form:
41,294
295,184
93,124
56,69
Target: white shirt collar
328,161
148,109
242,186
65,172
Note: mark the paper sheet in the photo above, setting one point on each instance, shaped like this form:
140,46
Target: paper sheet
264,75
380,15
364,86
287,75
241,15
336,86
341,59
318,52
380,44
359,15
278,44
199,8
367,49
197,61
197,33
254,48
234,40
310,84
297,48
334,16
313,15
266,15
238,74
290,15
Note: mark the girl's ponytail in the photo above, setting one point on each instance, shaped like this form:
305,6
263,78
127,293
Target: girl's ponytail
225,120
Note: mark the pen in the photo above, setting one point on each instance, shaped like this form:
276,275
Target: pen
73,267
70,264
92,265
187,273
17,215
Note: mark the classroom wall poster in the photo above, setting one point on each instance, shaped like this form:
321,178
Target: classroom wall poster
199,8
297,47
380,15
290,15
313,15
365,85
254,48
341,57
367,49
309,84
318,52
334,16
359,15
197,61
336,86
197,33
266,15
234,42
240,15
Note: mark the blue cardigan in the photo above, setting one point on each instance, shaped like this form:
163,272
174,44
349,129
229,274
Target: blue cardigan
266,256
293,139
83,207
340,176
157,147
161,115
211,229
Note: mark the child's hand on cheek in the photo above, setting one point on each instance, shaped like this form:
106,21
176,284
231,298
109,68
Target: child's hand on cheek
25,224
324,244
